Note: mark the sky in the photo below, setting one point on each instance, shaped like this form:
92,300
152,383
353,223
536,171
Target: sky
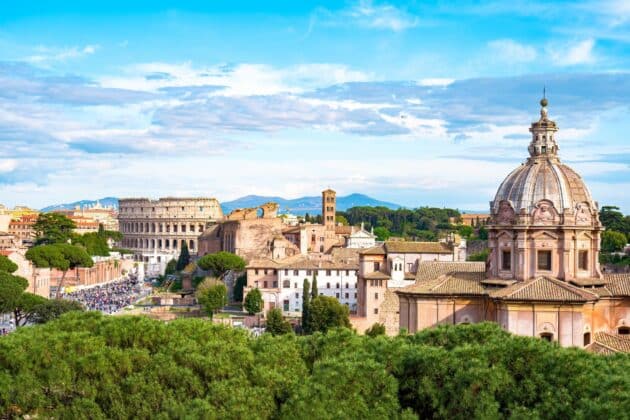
417,103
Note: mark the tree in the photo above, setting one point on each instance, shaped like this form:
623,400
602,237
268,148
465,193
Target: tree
613,241
276,325
51,309
171,267
212,295
53,228
221,262
7,265
465,231
61,256
240,284
326,312
25,307
482,233
184,257
94,243
375,330
613,219
382,234
314,291
341,219
253,302
11,288
306,299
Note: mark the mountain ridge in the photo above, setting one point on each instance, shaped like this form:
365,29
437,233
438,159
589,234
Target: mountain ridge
298,206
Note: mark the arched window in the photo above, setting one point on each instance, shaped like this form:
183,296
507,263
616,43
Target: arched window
623,330
546,336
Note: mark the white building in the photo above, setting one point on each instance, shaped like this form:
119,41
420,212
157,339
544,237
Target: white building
281,282
361,238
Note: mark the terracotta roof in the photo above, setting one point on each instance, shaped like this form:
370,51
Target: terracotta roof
376,275
617,285
6,252
405,247
607,343
588,282
375,250
300,262
410,276
429,270
343,230
545,289
456,283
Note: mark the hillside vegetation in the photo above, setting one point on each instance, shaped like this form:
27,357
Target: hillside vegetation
85,365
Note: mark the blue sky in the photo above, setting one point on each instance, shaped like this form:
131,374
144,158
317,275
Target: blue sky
420,103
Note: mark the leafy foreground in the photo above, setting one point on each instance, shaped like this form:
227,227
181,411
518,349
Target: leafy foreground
86,365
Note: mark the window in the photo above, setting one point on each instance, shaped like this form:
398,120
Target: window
328,273
286,272
377,266
375,311
337,295
583,260
295,285
347,272
587,338
623,330
376,296
327,285
347,285
192,228
297,295
409,265
183,228
547,336
285,305
308,272
286,284
265,271
275,284
347,295
337,285
544,260
296,272
256,271
264,284
506,260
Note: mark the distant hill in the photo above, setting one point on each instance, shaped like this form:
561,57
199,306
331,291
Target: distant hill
299,206
303,205
105,202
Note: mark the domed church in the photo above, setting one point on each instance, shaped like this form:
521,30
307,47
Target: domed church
542,277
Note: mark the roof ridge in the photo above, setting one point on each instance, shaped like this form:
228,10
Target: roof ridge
569,287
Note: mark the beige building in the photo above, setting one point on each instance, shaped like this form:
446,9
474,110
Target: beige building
542,278
156,229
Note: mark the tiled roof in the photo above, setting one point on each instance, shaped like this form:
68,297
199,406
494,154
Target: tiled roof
343,230
375,250
300,262
405,247
429,270
545,289
377,275
456,283
611,343
616,285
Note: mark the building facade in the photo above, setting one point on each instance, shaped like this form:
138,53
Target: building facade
281,282
156,229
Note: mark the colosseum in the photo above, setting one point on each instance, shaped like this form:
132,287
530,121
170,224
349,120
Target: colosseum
156,229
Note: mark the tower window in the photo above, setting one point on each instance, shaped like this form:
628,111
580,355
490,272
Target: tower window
544,260
506,260
583,260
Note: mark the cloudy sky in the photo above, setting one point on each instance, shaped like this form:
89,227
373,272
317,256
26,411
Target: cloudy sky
417,103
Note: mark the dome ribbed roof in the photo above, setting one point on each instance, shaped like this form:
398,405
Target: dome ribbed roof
539,179
543,176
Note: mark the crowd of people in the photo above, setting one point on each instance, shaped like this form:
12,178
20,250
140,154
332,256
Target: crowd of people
111,297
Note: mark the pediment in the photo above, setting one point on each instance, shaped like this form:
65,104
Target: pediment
504,234
544,235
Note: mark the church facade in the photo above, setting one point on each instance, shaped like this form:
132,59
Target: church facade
542,277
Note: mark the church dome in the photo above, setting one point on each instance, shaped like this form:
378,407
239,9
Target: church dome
543,178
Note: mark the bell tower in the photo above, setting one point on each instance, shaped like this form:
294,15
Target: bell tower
329,209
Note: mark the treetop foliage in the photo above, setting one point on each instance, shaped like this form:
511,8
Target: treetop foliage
7,265
221,262
86,365
253,302
52,228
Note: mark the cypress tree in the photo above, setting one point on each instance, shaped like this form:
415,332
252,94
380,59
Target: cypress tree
314,291
306,297
184,257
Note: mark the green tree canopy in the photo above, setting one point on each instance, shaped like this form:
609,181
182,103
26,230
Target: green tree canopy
613,241
382,233
375,330
94,243
25,308
465,231
7,265
326,312
253,302
61,256
52,228
11,288
212,295
171,267
184,257
306,300
221,262
276,324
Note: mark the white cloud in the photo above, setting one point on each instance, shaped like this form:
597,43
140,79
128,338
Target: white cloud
48,54
7,165
436,82
384,16
573,54
511,51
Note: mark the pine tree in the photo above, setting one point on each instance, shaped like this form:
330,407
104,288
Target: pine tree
184,257
306,297
314,292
